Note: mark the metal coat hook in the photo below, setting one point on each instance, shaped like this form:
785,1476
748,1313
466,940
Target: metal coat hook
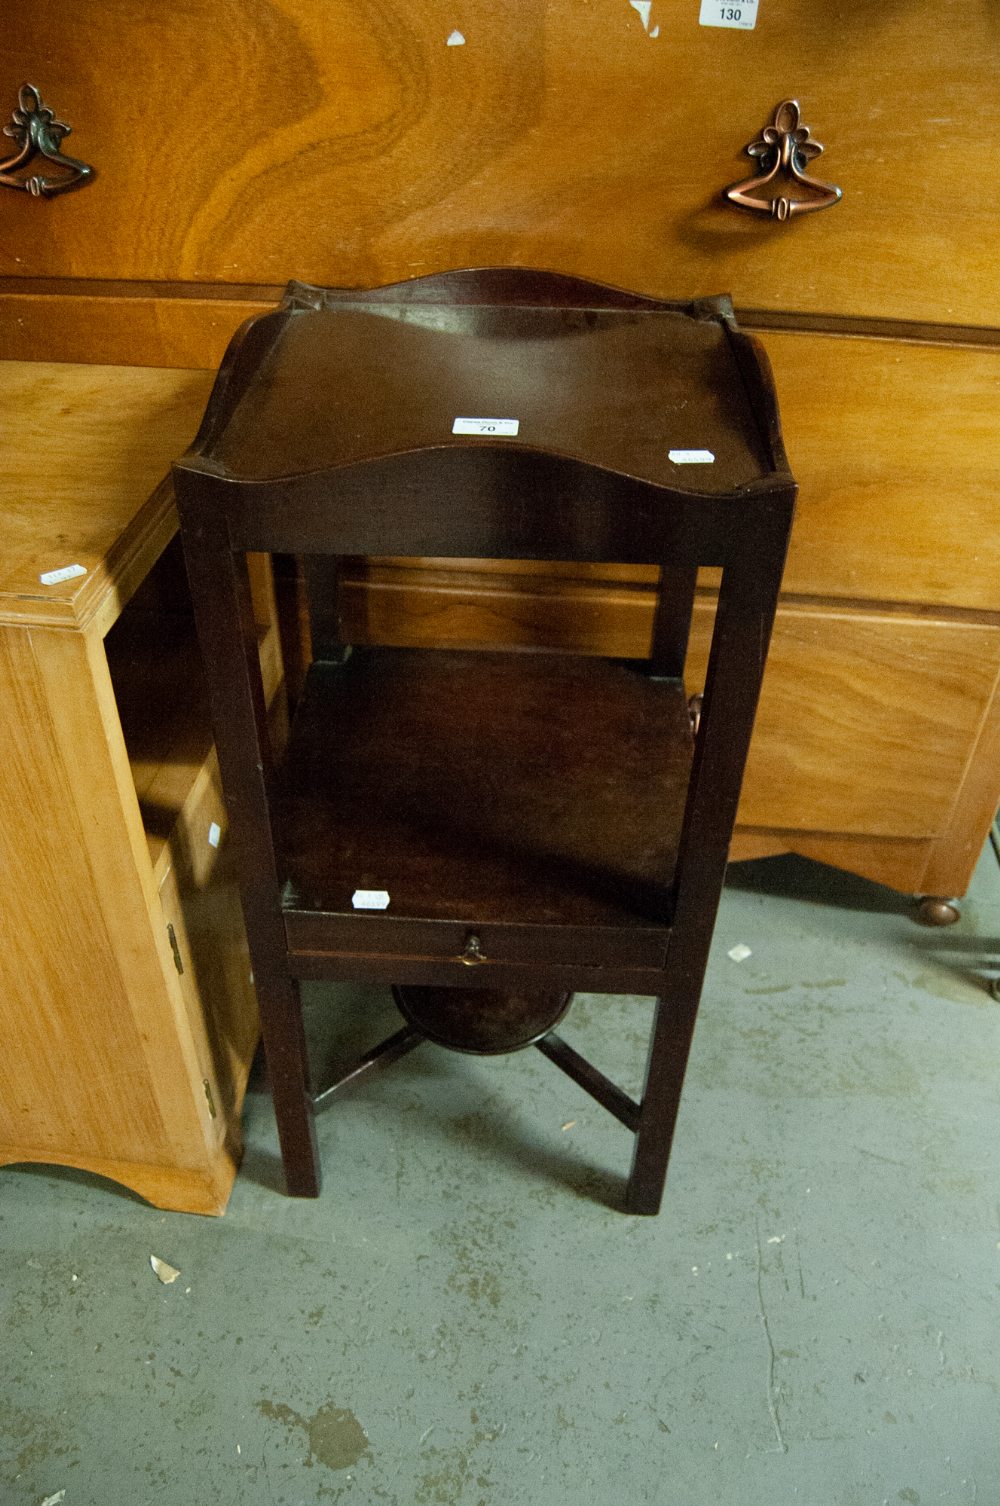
783,150
39,134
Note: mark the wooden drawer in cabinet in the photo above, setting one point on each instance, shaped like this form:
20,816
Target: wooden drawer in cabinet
866,722
895,447
558,135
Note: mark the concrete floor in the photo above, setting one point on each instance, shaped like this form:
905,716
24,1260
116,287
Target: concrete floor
461,1319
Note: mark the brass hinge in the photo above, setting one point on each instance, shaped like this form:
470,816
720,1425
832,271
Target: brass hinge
212,1110
172,937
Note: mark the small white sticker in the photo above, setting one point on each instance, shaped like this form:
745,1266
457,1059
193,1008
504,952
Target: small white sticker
214,834
68,572
691,457
742,15
370,899
491,427
455,40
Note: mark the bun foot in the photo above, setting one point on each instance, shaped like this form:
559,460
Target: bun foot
935,910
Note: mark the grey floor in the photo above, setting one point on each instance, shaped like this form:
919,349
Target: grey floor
462,1318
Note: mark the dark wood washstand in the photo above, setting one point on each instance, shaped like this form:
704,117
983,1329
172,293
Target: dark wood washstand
529,824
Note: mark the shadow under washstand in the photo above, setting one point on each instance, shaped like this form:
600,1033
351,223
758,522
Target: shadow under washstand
344,1020
518,1150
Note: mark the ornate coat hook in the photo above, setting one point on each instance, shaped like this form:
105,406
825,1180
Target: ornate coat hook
38,134
783,151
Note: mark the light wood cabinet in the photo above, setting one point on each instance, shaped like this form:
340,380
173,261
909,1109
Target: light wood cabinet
126,1006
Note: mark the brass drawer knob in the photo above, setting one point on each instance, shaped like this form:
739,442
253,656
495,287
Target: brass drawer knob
783,150
472,953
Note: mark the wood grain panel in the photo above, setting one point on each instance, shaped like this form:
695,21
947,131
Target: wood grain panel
120,327
52,930
437,603
74,910
898,862
866,723
346,143
92,443
85,720
950,865
896,448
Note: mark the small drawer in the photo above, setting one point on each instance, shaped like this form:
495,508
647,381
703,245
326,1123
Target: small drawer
475,945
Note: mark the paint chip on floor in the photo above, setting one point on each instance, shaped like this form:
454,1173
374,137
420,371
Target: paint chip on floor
164,1272
455,40
740,952
60,1495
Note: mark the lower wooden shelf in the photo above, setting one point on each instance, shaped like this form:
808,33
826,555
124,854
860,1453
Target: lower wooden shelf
534,801
489,787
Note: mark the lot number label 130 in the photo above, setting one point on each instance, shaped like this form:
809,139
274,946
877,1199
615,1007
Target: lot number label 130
742,15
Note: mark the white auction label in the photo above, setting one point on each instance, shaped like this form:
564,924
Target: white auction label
370,899
490,427
691,457
743,15
56,577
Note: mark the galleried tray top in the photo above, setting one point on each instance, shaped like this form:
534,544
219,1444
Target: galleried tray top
529,361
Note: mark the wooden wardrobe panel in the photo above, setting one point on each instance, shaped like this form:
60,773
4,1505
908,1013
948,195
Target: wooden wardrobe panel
896,448
866,723
350,144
